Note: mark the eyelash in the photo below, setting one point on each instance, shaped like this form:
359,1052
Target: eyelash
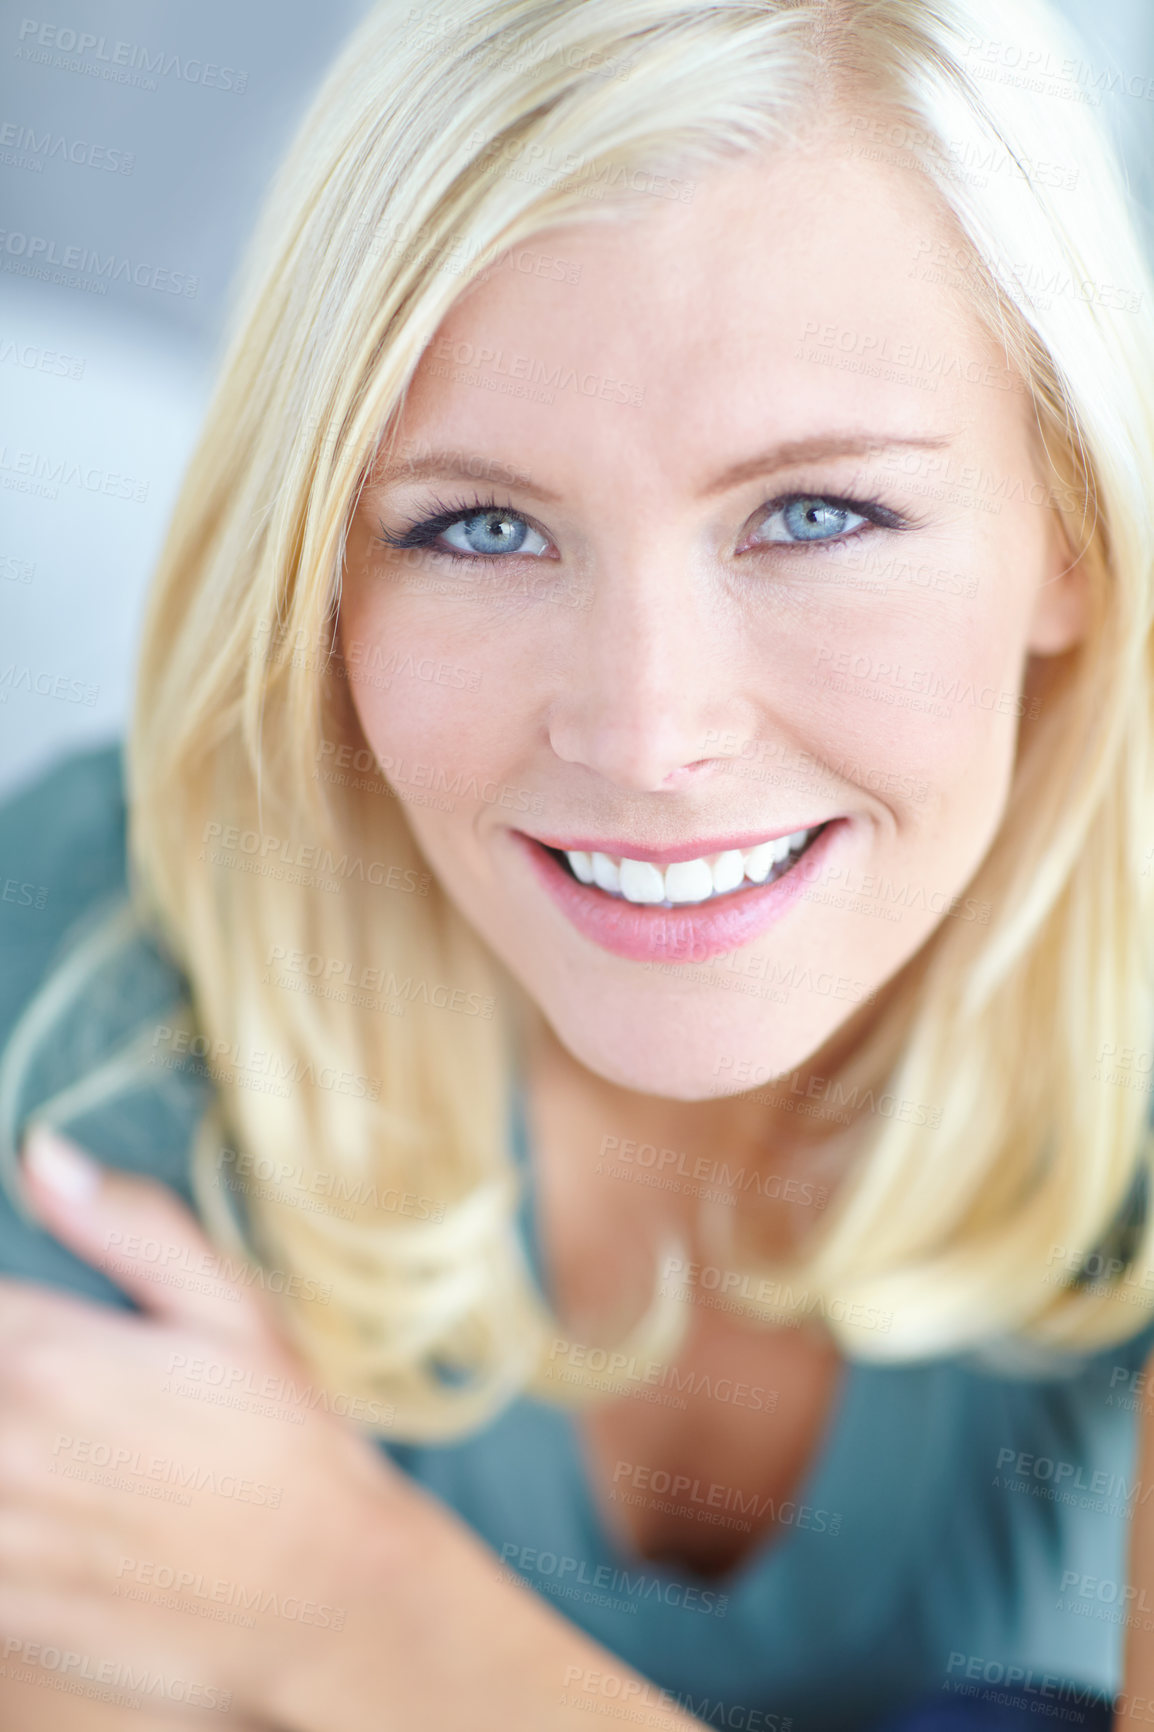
424,532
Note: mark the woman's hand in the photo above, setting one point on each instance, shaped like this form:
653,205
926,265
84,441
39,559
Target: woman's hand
172,1491
184,1527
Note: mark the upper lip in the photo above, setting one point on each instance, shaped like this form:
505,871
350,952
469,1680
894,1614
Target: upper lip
701,848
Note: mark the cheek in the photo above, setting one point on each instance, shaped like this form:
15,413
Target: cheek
415,704
425,683
919,676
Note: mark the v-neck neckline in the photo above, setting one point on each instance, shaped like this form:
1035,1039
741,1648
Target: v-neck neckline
762,1556
772,1553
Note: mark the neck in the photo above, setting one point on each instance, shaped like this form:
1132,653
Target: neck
647,1165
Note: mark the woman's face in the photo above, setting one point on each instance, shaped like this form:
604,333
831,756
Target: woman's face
723,527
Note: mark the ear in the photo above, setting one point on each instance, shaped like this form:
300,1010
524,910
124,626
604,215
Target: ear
1061,613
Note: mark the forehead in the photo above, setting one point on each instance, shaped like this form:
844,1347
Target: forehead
801,289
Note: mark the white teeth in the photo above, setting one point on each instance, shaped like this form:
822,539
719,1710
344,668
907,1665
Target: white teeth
759,861
728,871
606,872
686,881
582,866
641,881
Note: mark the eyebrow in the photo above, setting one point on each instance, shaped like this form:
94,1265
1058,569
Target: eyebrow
825,446
460,466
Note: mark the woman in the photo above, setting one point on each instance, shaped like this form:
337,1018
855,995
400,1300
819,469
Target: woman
641,776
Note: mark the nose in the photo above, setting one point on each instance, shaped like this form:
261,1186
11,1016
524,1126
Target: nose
650,680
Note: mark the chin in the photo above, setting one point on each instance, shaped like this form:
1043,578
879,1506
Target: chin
682,1056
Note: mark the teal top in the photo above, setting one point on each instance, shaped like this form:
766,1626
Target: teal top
959,1528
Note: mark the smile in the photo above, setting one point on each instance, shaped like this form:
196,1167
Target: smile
681,909
687,882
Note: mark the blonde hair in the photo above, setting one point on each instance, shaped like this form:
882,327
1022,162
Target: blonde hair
437,143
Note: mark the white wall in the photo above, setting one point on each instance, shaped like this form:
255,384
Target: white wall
112,385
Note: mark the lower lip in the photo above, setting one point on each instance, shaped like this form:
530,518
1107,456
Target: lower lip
673,935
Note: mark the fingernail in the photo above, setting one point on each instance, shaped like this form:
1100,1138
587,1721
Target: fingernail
60,1166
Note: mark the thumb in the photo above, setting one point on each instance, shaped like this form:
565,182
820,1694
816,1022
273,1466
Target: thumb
139,1234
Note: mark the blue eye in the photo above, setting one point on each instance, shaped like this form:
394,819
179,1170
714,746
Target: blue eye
470,531
811,518
478,530
492,532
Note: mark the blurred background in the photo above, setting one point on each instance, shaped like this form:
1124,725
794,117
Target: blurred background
146,131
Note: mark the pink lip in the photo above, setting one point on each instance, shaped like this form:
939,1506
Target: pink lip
699,850
691,934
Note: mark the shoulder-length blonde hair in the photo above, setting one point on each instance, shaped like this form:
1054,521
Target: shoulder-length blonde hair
277,859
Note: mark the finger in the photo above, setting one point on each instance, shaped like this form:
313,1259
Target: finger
40,1549
141,1235
29,1309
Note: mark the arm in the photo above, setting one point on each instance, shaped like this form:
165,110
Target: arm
173,1506
442,1636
